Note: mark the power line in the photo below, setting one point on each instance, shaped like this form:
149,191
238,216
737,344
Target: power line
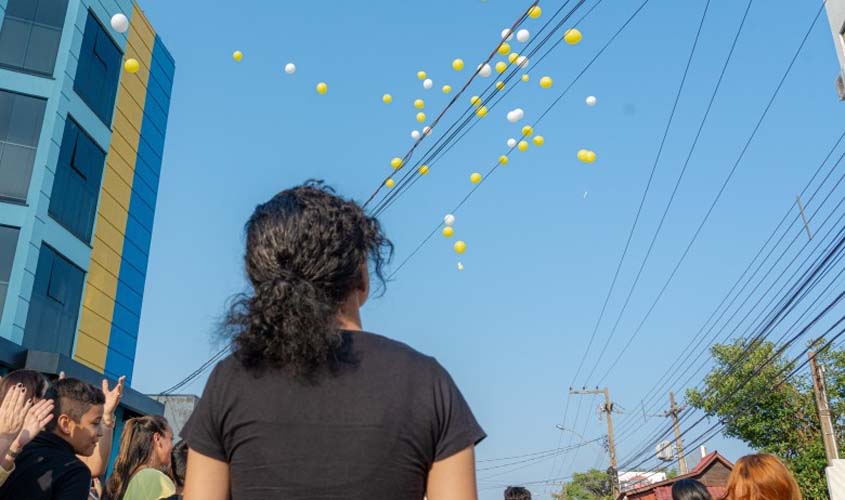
718,195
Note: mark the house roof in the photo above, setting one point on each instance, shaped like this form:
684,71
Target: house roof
702,466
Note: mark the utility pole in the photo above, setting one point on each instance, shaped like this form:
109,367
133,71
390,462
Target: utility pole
607,409
674,411
835,470
828,435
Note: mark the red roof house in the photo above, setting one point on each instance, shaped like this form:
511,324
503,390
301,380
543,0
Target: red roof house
712,472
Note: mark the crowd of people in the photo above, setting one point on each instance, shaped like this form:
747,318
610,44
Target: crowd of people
308,405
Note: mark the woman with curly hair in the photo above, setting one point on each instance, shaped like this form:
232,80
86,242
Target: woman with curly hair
309,405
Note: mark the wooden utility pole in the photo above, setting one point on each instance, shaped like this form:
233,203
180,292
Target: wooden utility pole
607,409
674,411
828,435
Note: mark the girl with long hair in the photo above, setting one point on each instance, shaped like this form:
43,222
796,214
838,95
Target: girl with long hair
309,405
761,477
144,456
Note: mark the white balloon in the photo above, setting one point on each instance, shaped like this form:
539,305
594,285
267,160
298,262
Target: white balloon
290,68
516,115
511,142
522,61
507,34
485,71
415,135
120,23
522,36
427,84
460,267
449,220
591,101
426,130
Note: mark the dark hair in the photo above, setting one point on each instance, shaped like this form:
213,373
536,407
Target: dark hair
73,398
34,382
179,463
305,252
136,447
689,489
517,493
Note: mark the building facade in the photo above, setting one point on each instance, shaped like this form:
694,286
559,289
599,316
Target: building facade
713,472
81,147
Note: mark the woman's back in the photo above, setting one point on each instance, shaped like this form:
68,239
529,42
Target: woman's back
371,430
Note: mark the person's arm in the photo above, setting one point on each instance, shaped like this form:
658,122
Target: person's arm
38,416
453,478
207,478
98,462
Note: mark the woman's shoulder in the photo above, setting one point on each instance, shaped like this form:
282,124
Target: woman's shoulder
147,482
372,342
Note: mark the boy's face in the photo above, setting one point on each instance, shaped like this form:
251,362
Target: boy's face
85,434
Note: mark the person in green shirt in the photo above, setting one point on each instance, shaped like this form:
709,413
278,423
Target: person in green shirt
144,455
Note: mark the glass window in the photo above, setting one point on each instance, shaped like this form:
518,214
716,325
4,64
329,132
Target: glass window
8,241
21,119
29,38
76,187
98,71
54,305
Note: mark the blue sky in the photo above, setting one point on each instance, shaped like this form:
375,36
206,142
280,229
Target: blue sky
514,325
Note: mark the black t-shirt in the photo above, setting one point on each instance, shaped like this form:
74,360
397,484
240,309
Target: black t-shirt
371,431
47,469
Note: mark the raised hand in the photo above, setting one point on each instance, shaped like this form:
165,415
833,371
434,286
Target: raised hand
37,418
112,396
13,412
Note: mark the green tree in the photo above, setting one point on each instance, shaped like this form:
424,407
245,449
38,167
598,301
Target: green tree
591,485
770,415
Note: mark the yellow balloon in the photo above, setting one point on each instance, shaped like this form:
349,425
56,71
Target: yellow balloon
448,231
527,130
481,112
503,160
500,85
573,36
475,100
389,183
501,66
237,56
504,48
535,12
591,156
131,66
387,98
522,146
458,64
419,104
421,75
460,247
513,57
396,163
447,89
423,170
525,77
539,140
475,178
420,117
546,82
322,88
582,155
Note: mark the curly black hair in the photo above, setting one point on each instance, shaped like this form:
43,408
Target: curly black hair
306,251
517,493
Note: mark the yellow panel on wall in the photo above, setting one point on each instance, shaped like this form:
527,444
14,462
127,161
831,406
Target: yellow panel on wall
112,213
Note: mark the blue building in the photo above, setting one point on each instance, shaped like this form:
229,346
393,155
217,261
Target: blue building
81,146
